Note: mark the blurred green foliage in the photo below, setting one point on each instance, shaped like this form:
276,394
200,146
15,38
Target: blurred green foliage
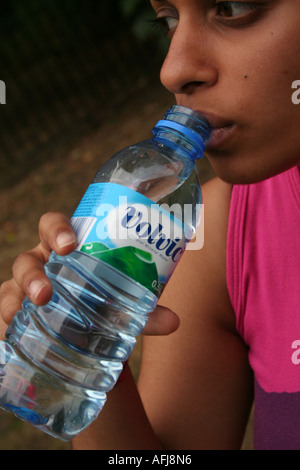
139,13
102,16
64,62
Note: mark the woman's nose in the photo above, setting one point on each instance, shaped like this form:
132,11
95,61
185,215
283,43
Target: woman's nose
189,63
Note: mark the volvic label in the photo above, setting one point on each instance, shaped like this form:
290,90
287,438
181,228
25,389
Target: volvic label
130,232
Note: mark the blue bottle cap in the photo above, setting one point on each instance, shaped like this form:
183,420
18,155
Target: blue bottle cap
189,123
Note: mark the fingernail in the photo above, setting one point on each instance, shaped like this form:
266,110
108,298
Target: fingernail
65,239
35,288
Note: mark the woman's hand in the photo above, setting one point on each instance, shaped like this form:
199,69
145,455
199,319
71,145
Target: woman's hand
29,276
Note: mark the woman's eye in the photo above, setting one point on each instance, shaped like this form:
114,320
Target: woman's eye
235,9
168,23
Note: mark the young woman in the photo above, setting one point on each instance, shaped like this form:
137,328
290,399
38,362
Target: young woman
237,300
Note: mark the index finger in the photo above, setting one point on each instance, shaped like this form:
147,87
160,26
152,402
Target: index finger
29,275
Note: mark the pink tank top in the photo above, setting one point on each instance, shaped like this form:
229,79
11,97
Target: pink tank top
263,277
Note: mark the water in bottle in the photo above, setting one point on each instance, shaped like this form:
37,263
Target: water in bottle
59,361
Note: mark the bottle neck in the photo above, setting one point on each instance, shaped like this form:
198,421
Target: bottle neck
177,142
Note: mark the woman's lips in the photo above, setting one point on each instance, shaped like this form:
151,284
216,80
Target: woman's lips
219,135
222,129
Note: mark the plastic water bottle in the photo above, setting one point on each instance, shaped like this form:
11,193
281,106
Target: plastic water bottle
59,361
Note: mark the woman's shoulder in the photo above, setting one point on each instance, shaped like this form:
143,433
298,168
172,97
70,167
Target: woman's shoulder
216,203
217,195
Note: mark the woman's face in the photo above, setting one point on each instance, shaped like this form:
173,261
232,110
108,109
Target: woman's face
235,62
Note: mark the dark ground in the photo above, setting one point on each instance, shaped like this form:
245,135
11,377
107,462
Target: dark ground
58,185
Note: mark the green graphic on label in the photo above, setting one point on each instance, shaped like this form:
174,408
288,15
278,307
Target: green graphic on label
135,263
